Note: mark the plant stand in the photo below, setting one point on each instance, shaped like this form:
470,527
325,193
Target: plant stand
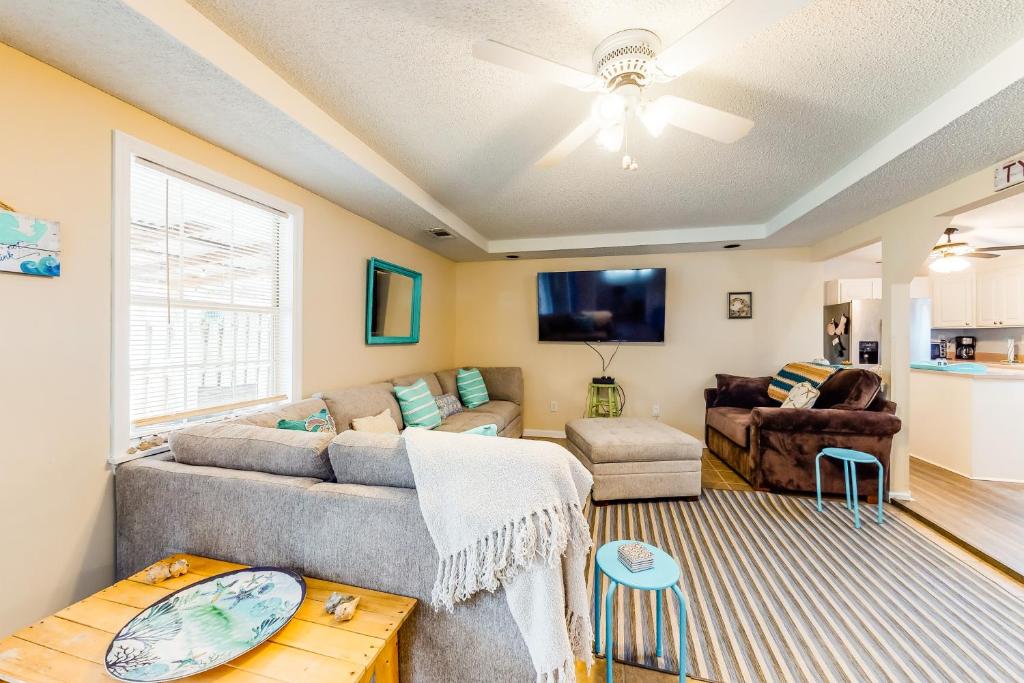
603,401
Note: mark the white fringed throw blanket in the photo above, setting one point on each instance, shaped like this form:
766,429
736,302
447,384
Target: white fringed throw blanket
509,513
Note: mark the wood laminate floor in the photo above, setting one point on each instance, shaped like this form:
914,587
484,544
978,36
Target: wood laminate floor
985,516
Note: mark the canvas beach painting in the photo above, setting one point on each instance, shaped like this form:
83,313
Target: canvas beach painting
29,245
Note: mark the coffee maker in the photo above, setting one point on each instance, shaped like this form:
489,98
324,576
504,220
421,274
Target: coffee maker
965,348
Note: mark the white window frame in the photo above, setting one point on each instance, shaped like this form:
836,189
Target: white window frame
125,149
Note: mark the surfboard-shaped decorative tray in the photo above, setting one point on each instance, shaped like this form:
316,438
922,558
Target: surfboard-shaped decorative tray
205,625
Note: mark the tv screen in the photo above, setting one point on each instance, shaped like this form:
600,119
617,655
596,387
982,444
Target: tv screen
602,305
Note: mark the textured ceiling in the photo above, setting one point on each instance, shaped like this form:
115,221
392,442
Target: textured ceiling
111,47
822,85
982,137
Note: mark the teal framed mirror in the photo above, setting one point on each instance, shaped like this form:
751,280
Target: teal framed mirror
392,303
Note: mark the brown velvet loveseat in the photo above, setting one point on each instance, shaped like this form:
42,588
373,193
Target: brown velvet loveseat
774,448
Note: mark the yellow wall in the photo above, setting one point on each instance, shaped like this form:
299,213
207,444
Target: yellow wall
56,513
496,324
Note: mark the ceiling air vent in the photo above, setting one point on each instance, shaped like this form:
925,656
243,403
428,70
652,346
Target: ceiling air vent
441,233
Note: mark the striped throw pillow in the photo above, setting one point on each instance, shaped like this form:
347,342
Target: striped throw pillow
472,389
418,406
792,374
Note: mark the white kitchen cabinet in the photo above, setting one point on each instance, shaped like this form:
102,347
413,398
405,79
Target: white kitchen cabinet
953,300
1000,297
848,289
1013,296
989,297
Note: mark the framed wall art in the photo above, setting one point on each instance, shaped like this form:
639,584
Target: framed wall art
29,245
741,305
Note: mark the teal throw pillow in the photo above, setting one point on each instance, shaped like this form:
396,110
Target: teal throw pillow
472,389
418,406
317,422
483,430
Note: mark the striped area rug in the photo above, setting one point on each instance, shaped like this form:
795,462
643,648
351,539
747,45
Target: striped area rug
779,592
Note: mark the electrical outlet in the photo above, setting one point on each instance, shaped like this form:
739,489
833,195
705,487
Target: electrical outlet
656,410
553,407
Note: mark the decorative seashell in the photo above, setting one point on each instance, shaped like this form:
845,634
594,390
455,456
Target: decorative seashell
132,450
158,572
179,567
336,599
346,610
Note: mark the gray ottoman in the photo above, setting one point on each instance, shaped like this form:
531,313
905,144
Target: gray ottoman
636,457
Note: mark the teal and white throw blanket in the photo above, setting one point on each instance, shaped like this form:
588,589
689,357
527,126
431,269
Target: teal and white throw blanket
509,513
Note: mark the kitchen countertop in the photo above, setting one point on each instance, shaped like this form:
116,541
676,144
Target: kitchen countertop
993,371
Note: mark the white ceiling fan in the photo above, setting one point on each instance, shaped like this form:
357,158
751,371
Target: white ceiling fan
951,257
628,61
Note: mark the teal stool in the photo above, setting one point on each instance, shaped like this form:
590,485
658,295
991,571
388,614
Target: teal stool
664,574
850,460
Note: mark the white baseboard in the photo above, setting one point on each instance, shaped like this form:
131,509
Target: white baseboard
900,495
549,433
964,474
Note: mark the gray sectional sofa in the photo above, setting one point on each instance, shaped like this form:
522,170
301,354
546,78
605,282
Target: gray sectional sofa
275,500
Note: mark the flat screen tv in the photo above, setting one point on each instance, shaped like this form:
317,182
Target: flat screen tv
602,306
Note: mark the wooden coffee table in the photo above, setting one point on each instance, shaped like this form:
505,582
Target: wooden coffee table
71,644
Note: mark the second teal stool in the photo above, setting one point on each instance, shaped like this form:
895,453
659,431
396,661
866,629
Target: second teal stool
664,574
850,459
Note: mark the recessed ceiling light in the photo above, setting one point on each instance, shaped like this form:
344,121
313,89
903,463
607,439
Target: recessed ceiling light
512,256
730,246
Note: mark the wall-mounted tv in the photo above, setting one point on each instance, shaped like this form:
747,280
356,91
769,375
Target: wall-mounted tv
602,306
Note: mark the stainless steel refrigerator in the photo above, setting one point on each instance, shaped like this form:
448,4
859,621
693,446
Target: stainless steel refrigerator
852,332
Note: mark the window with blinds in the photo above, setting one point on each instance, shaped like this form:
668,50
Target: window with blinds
206,332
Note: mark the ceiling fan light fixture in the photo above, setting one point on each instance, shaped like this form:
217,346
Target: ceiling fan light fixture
654,115
609,109
610,137
949,263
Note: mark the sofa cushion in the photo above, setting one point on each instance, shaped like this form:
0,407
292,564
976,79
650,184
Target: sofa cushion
448,404
849,389
460,422
428,377
732,423
418,406
371,459
320,421
742,392
260,449
381,423
803,395
483,430
472,389
630,439
504,411
353,402
503,383
792,374
299,410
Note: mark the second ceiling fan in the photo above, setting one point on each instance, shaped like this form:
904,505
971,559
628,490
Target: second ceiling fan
628,61
951,257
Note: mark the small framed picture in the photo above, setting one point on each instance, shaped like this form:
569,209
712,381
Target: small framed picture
741,305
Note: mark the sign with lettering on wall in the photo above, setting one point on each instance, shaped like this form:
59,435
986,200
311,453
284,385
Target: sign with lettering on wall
1010,172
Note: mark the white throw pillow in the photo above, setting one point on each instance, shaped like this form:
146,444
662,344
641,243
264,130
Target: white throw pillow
382,423
802,395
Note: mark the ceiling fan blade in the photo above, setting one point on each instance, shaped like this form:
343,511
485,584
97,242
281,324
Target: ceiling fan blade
569,143
503,55
723,31
976,254
704,120
1009,247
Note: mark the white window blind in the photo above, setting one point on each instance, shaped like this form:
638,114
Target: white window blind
206,330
